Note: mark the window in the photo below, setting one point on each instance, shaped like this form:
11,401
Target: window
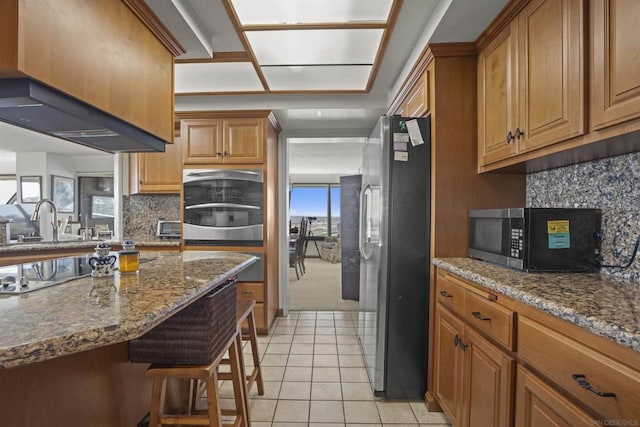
8,189
102,207
320,203
334,203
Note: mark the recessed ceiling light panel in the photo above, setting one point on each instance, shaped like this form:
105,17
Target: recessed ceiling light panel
346,77
274,12
313,47
216,77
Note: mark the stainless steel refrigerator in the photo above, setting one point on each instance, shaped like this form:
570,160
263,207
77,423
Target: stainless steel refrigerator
394,249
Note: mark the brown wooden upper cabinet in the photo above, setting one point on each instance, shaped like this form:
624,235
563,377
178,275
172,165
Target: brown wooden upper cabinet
416,104
157,172
236,140
531,81
98,51
615,62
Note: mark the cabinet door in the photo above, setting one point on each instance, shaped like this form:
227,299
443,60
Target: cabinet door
488,387
448,363
202,139
497,103
243,141
551,72
417,102
615,62
538,405
160,172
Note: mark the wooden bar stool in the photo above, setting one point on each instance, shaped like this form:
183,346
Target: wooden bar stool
208,376
244,311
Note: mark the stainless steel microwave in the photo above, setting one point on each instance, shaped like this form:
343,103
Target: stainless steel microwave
536,239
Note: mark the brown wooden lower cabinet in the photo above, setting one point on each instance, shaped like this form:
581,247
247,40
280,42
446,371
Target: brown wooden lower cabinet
488,383
566,376
539,405
255,291
474,378
448,363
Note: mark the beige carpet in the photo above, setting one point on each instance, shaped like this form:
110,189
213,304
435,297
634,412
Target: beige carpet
319,289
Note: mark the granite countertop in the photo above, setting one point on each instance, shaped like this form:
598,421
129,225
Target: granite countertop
80,244
88,313
600,303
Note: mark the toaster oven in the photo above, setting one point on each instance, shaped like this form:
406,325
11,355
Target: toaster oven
168,229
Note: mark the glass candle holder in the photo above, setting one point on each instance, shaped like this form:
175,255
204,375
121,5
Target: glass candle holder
128,261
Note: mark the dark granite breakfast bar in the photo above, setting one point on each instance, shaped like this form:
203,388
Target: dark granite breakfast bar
63,349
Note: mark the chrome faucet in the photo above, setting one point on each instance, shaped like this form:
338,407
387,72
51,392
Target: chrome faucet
36,216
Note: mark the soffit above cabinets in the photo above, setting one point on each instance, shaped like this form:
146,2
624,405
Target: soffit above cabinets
293,46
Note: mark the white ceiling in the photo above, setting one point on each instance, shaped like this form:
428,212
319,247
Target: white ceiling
203,27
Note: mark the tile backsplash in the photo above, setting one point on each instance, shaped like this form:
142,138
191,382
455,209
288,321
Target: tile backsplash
141,213
3,231
611,185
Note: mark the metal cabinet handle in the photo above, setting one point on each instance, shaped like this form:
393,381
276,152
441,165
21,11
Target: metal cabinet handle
509,137
457,341
445,294
582,381
478,316
218,154
519,133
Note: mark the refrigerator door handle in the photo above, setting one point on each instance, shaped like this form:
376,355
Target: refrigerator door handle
364,217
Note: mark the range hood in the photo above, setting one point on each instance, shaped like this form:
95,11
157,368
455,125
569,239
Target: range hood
32,105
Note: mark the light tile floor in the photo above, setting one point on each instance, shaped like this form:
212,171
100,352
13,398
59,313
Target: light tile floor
314,375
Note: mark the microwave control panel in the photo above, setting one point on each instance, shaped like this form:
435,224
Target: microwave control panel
517,243
516,247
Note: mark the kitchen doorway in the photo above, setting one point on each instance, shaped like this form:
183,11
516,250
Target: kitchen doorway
315,166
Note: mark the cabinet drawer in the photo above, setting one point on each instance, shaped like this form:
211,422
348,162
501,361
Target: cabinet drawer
254,291
489,317
562,360
537,402
449,293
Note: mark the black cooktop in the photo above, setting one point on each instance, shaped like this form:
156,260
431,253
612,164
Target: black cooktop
31,276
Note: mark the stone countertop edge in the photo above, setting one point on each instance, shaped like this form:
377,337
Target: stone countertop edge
79,244
601,313
77,336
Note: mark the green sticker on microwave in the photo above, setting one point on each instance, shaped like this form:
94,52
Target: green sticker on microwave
559,240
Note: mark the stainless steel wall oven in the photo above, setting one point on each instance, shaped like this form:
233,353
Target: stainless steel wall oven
223,207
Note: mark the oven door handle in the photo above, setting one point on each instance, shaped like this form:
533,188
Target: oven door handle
221,173
221,205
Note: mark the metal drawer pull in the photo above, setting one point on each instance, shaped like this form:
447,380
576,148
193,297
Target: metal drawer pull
478,316
445,294
582,381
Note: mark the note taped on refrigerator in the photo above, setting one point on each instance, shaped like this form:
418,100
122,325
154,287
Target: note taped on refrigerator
401,156
400,146
400,137
414,132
